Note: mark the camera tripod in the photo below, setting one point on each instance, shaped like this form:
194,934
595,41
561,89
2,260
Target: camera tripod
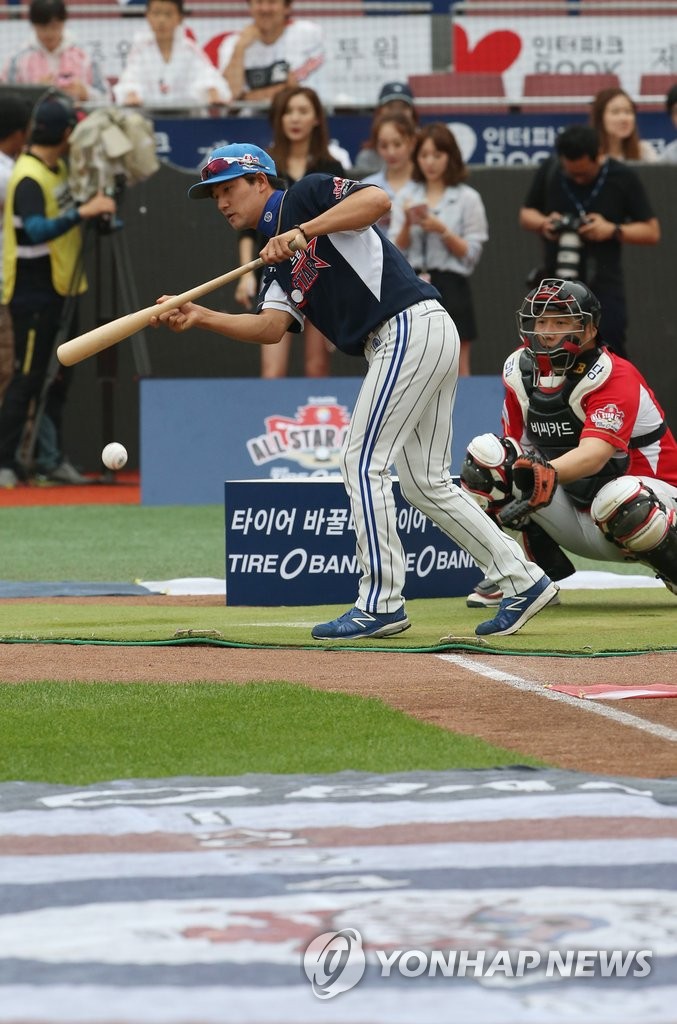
111,265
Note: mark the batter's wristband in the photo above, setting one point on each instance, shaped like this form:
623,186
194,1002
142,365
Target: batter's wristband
297,227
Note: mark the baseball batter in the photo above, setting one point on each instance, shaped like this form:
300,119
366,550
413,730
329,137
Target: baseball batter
600,476
360,291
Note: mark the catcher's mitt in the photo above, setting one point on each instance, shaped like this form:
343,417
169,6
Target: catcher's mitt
536,479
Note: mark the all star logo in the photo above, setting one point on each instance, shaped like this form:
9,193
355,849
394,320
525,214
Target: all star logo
313,437
609,417
306,267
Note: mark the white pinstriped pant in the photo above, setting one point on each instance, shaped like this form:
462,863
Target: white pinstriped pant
403,416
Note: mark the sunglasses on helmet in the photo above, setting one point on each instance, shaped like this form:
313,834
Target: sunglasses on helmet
223,163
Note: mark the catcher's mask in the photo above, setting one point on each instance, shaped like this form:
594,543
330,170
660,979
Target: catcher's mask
557,298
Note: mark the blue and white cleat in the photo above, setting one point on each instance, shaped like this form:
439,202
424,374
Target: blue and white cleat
357,624
513,612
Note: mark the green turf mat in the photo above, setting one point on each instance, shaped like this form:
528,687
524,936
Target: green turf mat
79,733
586,623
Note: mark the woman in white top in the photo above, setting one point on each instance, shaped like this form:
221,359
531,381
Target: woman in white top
614,115
393,139
442,226
168,70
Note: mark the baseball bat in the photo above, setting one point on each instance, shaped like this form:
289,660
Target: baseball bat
107,335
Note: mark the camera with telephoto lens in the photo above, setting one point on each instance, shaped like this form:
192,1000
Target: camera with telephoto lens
569,245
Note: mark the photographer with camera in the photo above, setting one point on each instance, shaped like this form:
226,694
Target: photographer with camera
42,271
586,207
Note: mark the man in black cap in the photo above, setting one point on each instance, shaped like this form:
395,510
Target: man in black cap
41,269
397,93
394,98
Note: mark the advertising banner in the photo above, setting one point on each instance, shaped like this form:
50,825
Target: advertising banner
197,433
495,140
294,544
625,46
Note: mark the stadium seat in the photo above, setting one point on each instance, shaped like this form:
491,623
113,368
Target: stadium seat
578,91
657,87
611,9
508,8
455,87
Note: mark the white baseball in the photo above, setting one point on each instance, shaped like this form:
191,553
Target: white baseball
114,455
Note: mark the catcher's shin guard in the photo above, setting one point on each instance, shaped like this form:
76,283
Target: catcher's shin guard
633,517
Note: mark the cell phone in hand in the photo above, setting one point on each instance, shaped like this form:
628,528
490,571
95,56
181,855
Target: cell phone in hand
417,213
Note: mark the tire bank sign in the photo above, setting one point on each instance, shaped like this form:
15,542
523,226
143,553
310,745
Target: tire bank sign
293,543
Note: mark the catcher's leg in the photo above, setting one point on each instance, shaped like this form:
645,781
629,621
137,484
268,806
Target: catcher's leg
630,514
486,474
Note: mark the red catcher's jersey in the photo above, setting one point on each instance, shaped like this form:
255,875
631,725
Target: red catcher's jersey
614,402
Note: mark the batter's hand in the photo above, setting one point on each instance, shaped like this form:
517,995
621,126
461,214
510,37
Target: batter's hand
536,479
178,320
281,247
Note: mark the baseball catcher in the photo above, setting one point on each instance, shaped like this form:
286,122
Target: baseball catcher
587,462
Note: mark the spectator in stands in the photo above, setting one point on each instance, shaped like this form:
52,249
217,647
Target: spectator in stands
393,139
14,116
300,146
394,98
166,69
271,53
586,207
614,116
54,59
41,271
669,154
441,227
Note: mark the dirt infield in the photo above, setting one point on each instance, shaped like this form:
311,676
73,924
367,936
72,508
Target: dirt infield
502,699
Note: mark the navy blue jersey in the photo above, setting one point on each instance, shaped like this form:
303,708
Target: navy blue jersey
346,283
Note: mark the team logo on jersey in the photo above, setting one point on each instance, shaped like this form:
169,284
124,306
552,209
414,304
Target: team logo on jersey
609,417
342,187
305,269
313,437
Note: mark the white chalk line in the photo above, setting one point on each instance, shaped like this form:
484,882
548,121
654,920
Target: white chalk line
663,732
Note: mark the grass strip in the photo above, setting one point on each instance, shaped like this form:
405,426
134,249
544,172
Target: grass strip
112,542
78,733
587,622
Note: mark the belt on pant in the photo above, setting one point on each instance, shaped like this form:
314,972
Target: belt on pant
376,330
372,334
